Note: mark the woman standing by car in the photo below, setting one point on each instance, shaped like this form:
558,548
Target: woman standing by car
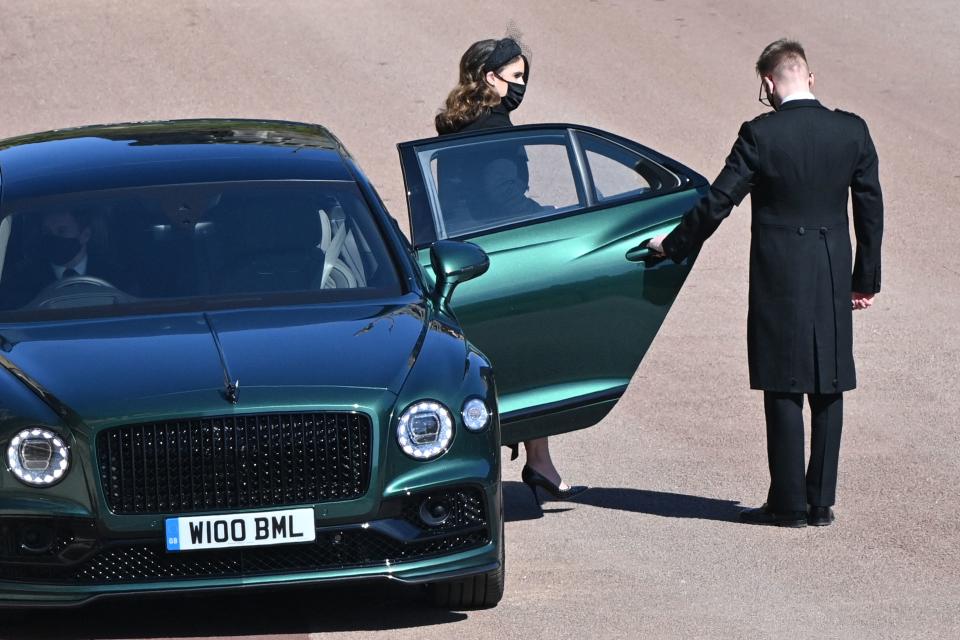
493,80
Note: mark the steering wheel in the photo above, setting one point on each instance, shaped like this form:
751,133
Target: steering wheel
77,280
76,288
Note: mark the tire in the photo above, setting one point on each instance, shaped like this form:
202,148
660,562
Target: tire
481,591
476,592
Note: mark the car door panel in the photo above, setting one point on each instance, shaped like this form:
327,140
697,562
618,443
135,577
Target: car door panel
562,313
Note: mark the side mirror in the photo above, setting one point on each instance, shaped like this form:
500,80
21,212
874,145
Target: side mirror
454,262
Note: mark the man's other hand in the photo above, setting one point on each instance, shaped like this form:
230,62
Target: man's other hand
860,300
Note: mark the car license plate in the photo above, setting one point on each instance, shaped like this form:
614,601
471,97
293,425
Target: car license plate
240,530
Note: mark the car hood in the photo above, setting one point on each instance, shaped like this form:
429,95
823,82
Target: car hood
135,368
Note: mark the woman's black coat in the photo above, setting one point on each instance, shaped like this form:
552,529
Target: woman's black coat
496,117
478,184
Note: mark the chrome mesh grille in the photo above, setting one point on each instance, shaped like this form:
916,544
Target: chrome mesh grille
234,462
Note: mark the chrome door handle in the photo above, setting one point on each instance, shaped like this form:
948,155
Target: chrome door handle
642,253
639,252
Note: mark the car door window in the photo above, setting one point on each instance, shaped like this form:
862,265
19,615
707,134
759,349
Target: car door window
480,184
620,173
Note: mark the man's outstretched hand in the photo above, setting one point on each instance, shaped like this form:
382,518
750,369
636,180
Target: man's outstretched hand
861,300
656,246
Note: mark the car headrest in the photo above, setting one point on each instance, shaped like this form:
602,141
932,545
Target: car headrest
268,225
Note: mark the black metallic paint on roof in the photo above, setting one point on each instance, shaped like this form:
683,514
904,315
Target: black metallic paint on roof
171,152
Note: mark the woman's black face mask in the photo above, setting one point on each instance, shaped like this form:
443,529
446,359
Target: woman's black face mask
59,250
514,96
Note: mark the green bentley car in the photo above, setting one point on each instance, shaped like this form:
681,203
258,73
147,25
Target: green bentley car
222,364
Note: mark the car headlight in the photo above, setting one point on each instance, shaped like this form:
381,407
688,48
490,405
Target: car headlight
38,457
425,430
476,416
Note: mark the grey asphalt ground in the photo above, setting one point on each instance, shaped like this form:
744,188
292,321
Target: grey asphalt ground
653,550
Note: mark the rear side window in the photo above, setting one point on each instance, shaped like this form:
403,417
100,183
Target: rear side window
619,173
481,184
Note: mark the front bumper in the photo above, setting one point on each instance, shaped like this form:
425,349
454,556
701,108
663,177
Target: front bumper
68,562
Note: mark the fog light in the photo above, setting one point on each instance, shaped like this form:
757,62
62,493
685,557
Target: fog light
434,511
38,457
36,539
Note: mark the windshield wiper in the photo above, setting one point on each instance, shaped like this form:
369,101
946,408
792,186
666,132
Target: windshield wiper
231,386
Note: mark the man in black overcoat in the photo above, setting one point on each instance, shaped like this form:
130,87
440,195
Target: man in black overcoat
798,163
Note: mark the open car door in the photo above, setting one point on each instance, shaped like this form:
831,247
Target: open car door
571,302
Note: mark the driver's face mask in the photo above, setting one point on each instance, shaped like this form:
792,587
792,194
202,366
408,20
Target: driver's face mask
60,250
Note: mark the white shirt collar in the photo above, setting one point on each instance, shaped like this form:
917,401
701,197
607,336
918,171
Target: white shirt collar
80,268
799,95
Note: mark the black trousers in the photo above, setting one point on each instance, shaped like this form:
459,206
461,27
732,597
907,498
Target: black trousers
790,488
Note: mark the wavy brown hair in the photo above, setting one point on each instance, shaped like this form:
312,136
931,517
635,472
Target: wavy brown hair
472,97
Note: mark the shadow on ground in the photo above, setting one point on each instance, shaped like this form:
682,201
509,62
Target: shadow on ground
519,503
292,610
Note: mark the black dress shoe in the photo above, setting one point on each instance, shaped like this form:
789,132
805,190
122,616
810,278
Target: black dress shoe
819,516
763,515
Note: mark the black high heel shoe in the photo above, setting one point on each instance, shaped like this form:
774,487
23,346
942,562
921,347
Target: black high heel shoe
533,479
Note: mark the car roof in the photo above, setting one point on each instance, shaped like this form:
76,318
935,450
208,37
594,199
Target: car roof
168,152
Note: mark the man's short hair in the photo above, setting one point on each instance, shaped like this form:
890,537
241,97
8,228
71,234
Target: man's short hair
778,55
83,218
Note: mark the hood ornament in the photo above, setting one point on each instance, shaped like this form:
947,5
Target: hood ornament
231,391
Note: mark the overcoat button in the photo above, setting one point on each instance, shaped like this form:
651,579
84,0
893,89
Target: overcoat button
823,230
801,231
836,382
793,382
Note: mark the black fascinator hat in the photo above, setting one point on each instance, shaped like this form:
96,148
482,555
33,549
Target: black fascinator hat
506,50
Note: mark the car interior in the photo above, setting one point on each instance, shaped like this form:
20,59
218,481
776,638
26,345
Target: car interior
486,184
226,239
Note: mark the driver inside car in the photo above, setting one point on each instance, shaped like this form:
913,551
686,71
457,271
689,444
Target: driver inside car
61,253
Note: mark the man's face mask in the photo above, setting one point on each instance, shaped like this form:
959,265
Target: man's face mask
766,98
60,250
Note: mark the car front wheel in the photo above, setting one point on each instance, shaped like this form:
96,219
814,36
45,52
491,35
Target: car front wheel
482,591
476,592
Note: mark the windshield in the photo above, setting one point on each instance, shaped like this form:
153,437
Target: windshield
190,247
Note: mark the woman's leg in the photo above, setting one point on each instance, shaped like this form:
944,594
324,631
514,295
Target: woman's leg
538,459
